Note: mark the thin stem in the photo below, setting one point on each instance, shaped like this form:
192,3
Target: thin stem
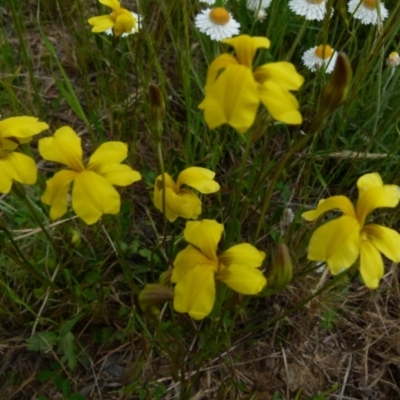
25,263
230,236
267,199
161,162
38,220
297,40
18,26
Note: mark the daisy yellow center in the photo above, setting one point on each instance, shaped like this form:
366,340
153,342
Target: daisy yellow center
315,1
323,52
370,4
219,16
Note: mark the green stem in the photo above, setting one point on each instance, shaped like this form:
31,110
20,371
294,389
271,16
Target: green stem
379,93
28,63
38,220
267,199
25,263
162,170
297,40
230,235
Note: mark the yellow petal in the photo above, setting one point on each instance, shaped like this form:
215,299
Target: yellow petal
56,193
101,23
371,197
186,260
337,243
386,240
371,265
64,147
108,153
188,204
232,99
93,196
119,175
205,235
201,179
21,127
242,278
335,202
124,23
170,198
9,144
5,177
221,62
185,204
246,47
282,73
369,181
242,254
21,168
280,103
114,4
195,293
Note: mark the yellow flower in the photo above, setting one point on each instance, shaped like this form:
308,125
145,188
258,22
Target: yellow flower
182,202
121,21
234,90
93,193
340,242
197,267
17,166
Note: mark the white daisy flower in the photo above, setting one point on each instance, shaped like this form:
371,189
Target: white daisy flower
217,23
311,9
210,2
320,56
135,28
255,5
366,11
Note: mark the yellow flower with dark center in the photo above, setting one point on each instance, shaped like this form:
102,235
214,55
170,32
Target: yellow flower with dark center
198,266
340,242
93,192
182,202
121,21
234,90
13,165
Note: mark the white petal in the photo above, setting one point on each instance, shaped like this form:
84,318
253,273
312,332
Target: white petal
365,14
313,62
309,10
216,31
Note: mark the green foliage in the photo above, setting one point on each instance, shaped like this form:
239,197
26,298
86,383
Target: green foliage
71,290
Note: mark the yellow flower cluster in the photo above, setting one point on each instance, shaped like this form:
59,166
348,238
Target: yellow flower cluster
342,241
234,90
93,192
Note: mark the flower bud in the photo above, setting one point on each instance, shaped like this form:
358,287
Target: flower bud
393,60
19,190
157,109
75,236
281,271
335,92
152,295
165,277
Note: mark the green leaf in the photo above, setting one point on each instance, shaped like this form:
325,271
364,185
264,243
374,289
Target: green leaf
76,396
93,277
67,347
66,388
41,341
44,376
58,381
70,324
